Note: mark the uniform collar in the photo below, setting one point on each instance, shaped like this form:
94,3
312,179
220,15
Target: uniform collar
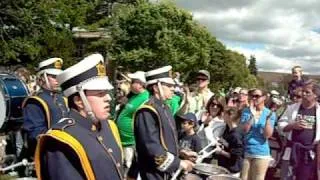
84,122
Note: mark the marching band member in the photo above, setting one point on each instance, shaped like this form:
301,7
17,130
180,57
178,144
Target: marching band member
45,108
86,145
155,130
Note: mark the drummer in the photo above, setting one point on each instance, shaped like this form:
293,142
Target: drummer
46,107
155,130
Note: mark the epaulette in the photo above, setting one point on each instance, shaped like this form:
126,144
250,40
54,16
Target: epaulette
39,101
64,123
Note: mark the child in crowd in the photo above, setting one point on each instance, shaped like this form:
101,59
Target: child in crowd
232,153
189,140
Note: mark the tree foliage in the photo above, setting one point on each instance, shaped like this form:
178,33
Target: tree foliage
31,30
253,65
149,35
142,36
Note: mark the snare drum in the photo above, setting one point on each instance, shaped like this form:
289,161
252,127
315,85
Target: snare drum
209,169
12,93
222,177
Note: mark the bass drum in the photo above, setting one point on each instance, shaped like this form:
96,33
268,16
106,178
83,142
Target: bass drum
12,93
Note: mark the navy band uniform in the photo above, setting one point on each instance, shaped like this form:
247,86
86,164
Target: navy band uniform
79,147
44,109
155,133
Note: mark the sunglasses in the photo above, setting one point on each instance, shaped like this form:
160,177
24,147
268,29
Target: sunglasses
256,96
214,105
201,79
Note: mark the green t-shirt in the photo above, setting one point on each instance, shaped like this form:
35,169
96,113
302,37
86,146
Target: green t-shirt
124,122
174,104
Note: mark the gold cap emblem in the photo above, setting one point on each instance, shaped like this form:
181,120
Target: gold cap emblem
101,69
58,64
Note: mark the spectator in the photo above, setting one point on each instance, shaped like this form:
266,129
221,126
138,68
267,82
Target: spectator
243,100
232,154
212,119
199,99
297,80
233,100
297,95
189,140
301,123
258,123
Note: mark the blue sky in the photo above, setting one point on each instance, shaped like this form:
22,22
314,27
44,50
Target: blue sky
278,33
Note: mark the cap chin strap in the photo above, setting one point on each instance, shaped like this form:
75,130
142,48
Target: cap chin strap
47,81
160,91
87,106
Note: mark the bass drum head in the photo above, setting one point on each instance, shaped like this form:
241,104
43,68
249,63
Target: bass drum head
3,107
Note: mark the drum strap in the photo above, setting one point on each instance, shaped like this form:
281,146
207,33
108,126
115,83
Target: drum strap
152,109
44,106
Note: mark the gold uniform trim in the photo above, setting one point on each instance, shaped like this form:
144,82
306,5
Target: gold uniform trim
71,142
116,134
65,101
160,124
44,105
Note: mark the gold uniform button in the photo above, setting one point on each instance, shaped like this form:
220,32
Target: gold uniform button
110,150
93,128
118,165
100,138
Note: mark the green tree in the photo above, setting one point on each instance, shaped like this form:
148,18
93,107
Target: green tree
149,35
253,65
32,30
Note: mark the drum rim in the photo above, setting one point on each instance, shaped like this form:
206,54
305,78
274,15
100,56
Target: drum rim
3,106
226,171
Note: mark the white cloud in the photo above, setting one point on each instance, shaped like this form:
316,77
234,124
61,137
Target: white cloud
286,29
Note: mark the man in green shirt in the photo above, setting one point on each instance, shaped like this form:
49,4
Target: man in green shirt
125,120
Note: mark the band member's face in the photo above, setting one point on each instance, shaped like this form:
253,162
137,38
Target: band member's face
168,90
54,85
99,101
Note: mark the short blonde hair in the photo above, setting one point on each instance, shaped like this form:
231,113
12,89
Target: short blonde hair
299,68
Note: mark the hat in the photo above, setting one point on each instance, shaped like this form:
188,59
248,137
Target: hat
139,75
236,90
88,74
160,75
274,93
277,101
50,66
205,73
189,117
